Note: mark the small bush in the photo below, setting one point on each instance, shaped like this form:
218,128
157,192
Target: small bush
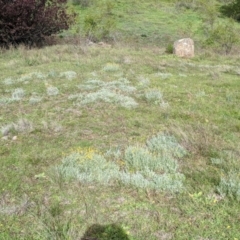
169,48
231,10
105,232
223,36
230,185
100,23
29,21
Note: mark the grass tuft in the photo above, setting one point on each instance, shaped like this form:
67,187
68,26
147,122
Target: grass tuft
21,126
111,67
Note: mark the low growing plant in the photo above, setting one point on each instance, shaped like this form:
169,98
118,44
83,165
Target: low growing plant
107,96
69,75
166,145
141,159
18,94
52,91
93,169
136,166
153,96
111,67
230,185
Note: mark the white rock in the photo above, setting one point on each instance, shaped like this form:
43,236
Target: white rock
184,48
14,138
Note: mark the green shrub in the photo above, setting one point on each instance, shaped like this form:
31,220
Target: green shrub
223,36
231,10
209,12
82,3
169,48
105,232
100,23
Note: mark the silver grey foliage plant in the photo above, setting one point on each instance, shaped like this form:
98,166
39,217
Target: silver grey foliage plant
97,169
144,167
18,94
154,96
230,185
52,91
114,92
166,145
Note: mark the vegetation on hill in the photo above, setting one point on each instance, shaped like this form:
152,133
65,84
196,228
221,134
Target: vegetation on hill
28,22
123,141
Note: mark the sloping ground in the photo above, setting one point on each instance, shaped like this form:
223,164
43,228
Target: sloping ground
124,136
160,24
149,23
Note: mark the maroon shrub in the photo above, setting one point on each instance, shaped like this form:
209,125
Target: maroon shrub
30,21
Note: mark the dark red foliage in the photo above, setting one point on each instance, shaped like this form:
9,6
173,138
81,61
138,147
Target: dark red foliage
29,21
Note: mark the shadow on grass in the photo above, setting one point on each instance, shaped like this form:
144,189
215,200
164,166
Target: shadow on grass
105,232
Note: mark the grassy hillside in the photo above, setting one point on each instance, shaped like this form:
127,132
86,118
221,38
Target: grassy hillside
120,142
141,22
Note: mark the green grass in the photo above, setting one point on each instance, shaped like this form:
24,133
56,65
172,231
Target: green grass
151,22
186,112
